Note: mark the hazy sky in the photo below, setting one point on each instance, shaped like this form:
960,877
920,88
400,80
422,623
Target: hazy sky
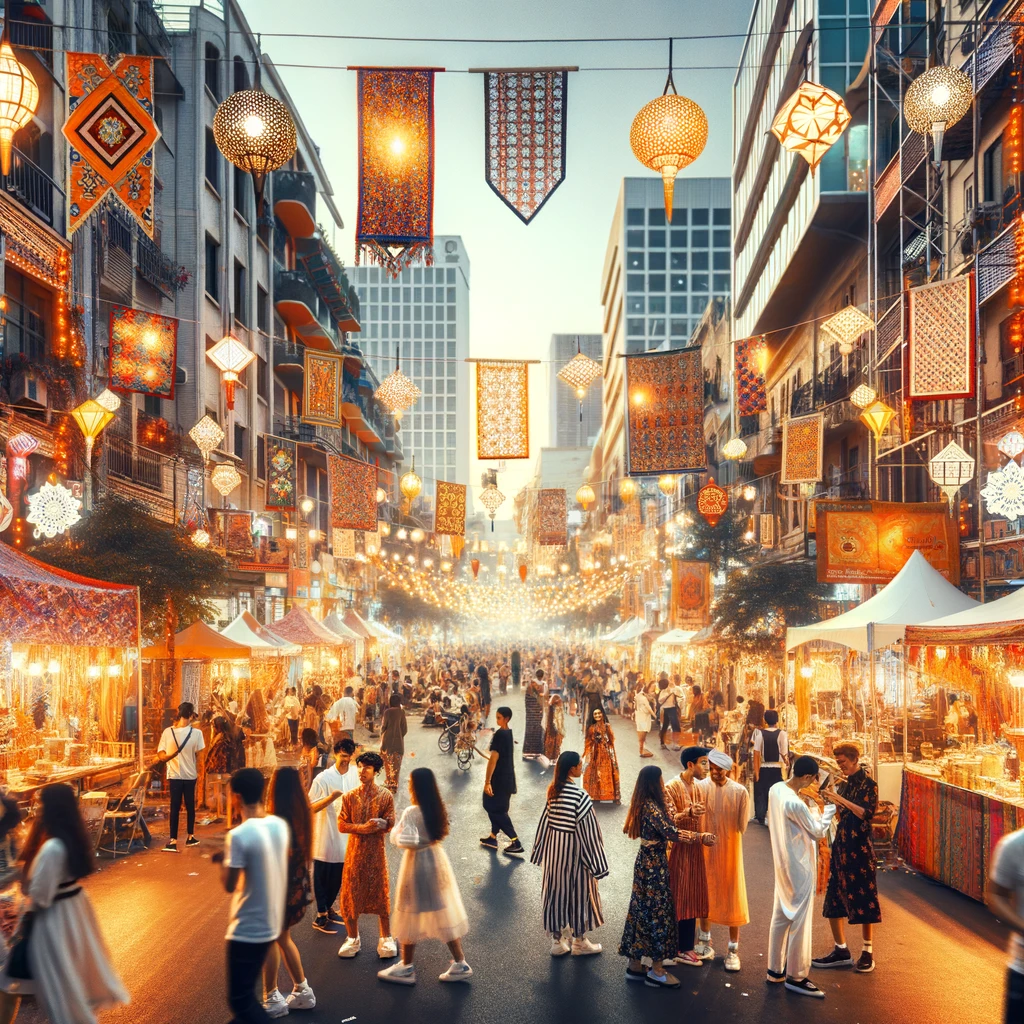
527,282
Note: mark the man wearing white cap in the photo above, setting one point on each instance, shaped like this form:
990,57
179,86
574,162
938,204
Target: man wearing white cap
727,808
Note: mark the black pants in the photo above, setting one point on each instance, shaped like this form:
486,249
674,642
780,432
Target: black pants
769,776
669,721
293,728
497,810
687,934
326,884
1014,998
183,788
245,966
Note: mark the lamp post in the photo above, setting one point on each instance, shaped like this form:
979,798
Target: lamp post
91,418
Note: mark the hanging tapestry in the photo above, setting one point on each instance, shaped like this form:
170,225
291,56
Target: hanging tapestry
111,134
143,352
665,424
751,393
395,218
344,543
502,410
941,349
524,130
691,594
450,514
552,517
322,382
281,456
233,530
353,493
802,445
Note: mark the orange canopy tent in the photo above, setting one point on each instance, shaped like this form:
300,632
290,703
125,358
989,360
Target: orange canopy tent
199,642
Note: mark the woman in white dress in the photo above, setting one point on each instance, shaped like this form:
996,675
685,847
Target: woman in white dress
643,717
67,957
427,903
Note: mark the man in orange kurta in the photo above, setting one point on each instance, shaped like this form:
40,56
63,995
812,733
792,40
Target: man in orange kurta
727,809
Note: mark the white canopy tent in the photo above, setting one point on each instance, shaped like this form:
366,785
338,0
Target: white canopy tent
242,633
675,638
998,622
625,633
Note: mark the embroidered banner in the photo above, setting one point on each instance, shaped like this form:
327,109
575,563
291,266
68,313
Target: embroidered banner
751,393
502,410
802,441
282,471
395,218
111,134
234,529
322,388
691,594
143,351
344,543
552,517
665,420
353,493
524,130
941,350
450,512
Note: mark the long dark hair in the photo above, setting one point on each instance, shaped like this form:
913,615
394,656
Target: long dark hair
427,798
481,672
649,786
60,818
288,800
567,760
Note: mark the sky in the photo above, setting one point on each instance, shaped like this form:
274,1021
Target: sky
527,281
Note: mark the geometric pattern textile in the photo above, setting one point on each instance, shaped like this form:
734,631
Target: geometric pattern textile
450,505
524,131
941,349
691,594
502,410
665,427
552,517
344,543
353,486
395,218
751,393
143,351
802,443
111,134
322,379
282,473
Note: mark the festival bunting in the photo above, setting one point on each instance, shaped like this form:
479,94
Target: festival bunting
282,473
353,493
524,129
665,424
111,134
322,388
941,350
751,392
502,410
552,517
802,449
450,514
691,594
143,352
395,218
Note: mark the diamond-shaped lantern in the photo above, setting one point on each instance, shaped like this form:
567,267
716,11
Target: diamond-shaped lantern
876,417
846,327
396,392
811,121
231,357
225,478
863,395
951,469
491,499
1012,444
206,434
579,373
734,449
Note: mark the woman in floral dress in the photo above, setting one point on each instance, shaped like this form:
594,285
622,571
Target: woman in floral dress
533,735
601,774
554,728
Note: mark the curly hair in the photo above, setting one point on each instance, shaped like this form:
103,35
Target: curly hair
371,757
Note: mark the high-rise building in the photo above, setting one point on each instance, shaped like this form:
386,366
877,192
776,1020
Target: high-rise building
423,317
568,429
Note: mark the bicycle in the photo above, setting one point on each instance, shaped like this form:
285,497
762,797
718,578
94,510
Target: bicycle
446,741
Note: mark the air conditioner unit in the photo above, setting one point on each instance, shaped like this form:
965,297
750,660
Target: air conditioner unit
28,389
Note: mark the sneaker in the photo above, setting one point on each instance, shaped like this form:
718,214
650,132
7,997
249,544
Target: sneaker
560,946
666,980
301,998
191,841
350,947
584,947
635,975
866,963
171,847
322,923
732,960
276,1005
490,842
804,987
514,849
774,977
400,974
705,950
334,917
386,947
837,958
458,970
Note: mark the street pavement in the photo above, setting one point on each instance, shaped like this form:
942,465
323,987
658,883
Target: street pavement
939,954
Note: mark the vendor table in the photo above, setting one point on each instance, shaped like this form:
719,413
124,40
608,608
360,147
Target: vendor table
23,787
948,833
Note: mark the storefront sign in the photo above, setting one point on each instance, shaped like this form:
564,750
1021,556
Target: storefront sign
277,580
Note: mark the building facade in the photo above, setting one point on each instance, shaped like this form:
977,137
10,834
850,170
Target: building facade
568,428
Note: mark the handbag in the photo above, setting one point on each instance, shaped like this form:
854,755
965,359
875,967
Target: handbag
17,958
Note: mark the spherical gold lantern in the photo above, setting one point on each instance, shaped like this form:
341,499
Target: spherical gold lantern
863,395
410,484
734,449
396,392
225,478
382,495
935,101
667,484
19,97
200,538
810,122
585,496
627,489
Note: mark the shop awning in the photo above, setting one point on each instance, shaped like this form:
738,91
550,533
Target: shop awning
675,638
626,633
241,632
335,625
915,595
998,622
299,627
200,642
385,634
358,625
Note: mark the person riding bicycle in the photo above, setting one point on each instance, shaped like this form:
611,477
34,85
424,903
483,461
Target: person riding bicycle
468,723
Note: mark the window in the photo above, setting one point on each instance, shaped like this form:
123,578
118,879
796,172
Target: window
635,328
212,269
656,282
240,294
212,161
151,405
634,216
262,310
721,216
656,216
700,217
261,457
212,69
241,75
721,261
994,172
634,282
240,442
699,282
678,328
678,239
656,261
721,239
262,378
698,239
634,261
655,328
656,239
241,190
699,260
634,239
678,261
698,304
721,283
635,304
678,282
656,304
678,304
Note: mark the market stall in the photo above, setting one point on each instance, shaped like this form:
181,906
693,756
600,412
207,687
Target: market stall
274,664
668,651
337,625
326,657
378,641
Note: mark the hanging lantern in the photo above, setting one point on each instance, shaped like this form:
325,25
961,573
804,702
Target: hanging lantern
863,395
53,509
845,328
585,496
108,400
667,484
417,536
734,449
810,122
522,570
491,499
579,373
232,358
207,435
712,502
382,495
19,97
410,484
1012,444
951,469
396,392
225,478
627,489
201,539
306,505
1004,492
749,493
474,564
876,417
935,101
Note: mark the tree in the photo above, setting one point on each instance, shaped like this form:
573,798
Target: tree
121,542
722,545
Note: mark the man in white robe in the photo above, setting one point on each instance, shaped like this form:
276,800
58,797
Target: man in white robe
796,826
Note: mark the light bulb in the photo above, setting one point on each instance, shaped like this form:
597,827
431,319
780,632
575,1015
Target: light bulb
35,669
940,95
254,126
53,667
113,670
94,671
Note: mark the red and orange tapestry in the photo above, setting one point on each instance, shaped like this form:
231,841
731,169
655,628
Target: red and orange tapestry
665,423
450,512
111,134
552,517
502,409
940,354
322,388
143,352
233,530
802,449
751,393
691,594
353,493
282,472
395,218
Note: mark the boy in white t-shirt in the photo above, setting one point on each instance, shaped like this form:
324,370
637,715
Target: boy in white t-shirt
179,745
1005,898
328,842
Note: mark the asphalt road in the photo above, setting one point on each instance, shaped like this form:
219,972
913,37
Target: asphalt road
939,954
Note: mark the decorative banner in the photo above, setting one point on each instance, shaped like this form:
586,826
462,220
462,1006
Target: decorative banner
322,388
691,594
395,219
235,530
344,543
751,391
524,129
941,349
111,134
282,473
450,514
767,530
665,399
712,502
143,352
802,448
353,493
870,541
302,555
552,517
502,410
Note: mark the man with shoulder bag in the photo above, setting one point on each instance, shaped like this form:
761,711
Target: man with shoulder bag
179,745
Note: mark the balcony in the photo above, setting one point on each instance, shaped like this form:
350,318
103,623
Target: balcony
148,22
298,304
154,266
295,202
115,253
328,275
34,189
130,462
31,29
289,363
292,428
363,415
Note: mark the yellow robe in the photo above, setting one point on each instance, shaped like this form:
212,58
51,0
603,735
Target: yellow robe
728,810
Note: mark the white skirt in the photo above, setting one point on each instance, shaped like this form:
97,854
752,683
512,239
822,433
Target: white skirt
644,723
427,903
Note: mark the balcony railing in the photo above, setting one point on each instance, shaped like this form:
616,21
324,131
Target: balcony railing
129,461
31,30
154,265
149,24
34,189
292,428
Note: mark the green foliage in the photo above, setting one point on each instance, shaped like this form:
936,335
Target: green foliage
723,546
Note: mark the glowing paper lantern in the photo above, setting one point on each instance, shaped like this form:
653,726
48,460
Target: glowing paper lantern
667,484
749,492
712,502
410,484
491,499
627,489
951,469
109,400
522,572
201,539
225,478
207,435
579,373
1012,444
734,449
863,395
876,417
1004,492
232,358
53,509
937,99
396,392
846,326
474,564
810,122
19,97
585,496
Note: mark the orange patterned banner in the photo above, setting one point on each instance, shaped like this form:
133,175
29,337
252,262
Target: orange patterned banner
802,443
691,594
502,410
450,514
322,379
552,517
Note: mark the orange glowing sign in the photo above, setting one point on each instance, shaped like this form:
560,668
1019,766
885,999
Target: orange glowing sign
712,502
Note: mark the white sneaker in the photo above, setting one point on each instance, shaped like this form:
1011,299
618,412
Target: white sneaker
301,998
560,946
584,947
732,960
400,974
458,970
705,950
276,1005
350,947
387,947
